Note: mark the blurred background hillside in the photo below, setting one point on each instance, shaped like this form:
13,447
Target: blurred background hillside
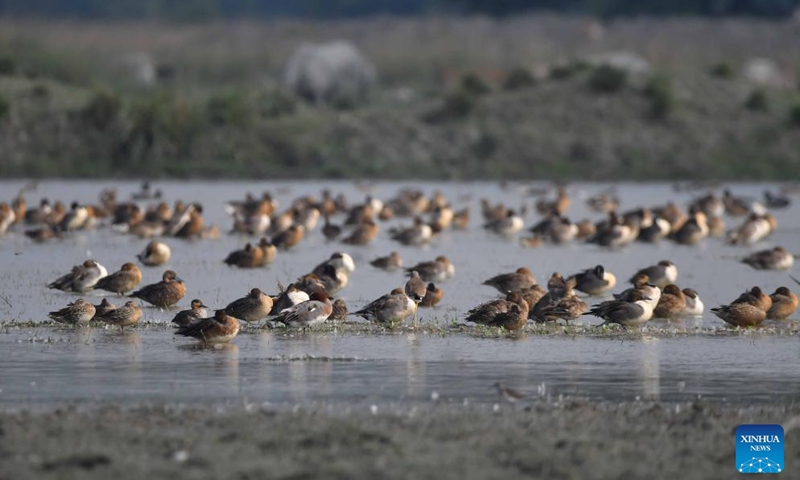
573,89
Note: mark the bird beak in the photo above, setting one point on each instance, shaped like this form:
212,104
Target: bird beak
179,280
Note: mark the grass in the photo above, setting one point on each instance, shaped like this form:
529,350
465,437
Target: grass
451,105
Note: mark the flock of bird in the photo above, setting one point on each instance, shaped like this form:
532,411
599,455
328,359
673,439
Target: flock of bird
310,300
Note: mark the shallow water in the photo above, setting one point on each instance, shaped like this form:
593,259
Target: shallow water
148,364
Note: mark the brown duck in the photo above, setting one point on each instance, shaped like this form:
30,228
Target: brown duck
124,280
165,293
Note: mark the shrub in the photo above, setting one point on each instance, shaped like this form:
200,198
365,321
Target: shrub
662,99
455,105
228,108
5,107
757,101
102,109
40,91
519,78
721,70
567,70
474,85
7,66
608,79
794,114
275,102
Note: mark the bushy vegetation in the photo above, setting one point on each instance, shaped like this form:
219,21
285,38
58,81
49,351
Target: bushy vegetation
608,79
757,100
660,93
519,78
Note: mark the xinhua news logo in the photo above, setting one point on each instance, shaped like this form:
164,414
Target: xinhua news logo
759,449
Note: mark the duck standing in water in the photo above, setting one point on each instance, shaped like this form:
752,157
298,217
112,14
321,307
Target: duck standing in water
252,308
155,254
79,311
163,294
121,281
594,281
220,328
198,311
128,314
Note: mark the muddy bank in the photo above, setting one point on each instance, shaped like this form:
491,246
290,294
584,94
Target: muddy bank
571,439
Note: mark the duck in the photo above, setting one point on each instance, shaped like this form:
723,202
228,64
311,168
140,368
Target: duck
694,306
616,232
638,281
248,257
197,312
289,237
363,234
506,226
433,296
393,307
776,201
627,313
102,308
603,202
562,231
7,217
461,219
415,287
253,307
79,311
312,312
190,224
330,230
755,297
339,310
534,241
559,205
163,294
693,230
332,279
510,313
673,214
661,274
672,302
740,314
506,283
75,219
341,261
390,262
124,280
221,328
533,294
128,314
710,204
784,304
155,254
269,250
418,234
735,206
81,278
658,229
560,301
438,270
776,258
754,229
288,297
594,281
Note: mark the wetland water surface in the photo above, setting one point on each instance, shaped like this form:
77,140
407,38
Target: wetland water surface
47,365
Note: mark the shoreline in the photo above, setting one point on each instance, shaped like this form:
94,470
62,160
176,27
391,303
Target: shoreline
574,438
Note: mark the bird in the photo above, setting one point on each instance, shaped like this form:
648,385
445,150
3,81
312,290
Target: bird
220,328
312,312
594,281
330,230
784,304
391,308
79,311
776,258
128,314
198,311
81,278
672,302
740,314
661,274
508,394
504,312
512,282
418,234
391,262
433,296
339,310
102,308
165,293
253,307
248,257
363,234
438,270
287,297
694,306
289,237
560,301
155,254
415,287
122,281
627,313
